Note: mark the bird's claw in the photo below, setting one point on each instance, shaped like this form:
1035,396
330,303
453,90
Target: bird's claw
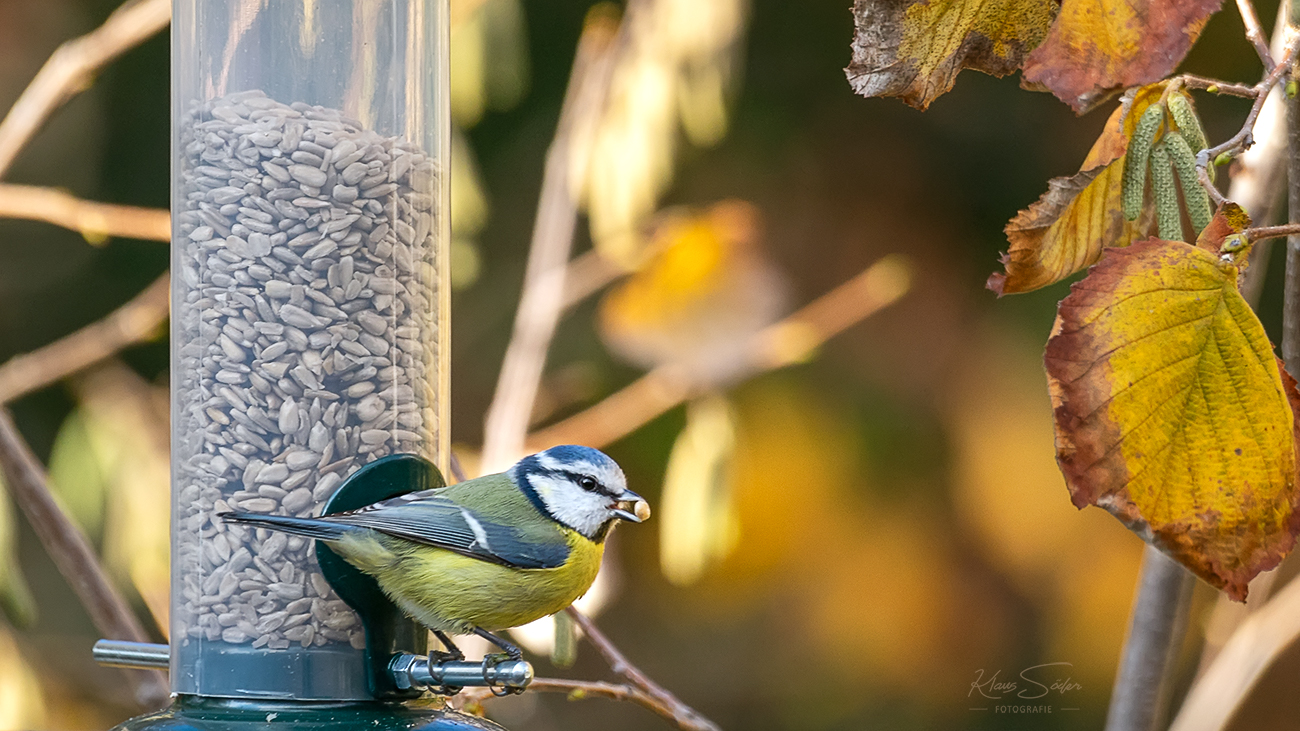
493,659
442,657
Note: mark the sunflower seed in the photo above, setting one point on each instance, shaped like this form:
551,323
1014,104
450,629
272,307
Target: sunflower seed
307,269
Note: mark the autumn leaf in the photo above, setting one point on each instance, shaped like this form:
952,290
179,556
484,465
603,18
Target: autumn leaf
697,526
1172,413
914,50
1097,47
1228,220
706,289
1065,230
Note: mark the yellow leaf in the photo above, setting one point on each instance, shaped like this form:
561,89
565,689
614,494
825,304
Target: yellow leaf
697,526
700,298
914,50
77,475
1065,231
1171,411
564,653
16,601
127,432
22,703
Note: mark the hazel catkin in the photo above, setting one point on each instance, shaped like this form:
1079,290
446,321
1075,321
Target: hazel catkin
1134,183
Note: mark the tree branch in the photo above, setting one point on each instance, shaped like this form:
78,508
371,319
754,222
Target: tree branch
542,299
1260,172
583,689
131,323
1291,284
70,68
639,689
72,554
1215,86
1140,699
789,341
1243,139
94,221
1255,33
587,274
1260,233
683,715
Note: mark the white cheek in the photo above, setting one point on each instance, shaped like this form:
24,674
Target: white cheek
583,511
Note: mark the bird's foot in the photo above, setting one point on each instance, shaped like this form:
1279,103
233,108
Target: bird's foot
511,649
453,652
498,689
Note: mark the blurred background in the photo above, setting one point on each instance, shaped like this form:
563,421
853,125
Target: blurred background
842,544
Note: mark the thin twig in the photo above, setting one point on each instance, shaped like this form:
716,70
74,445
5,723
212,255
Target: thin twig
1260,171
1255,33
457,470
789,341
1291,280
583,689
70,68
1156,627
72,554
685,716
1215,86
1243,139
1272,232
587,274
640,689
577,690
1203,177
95,221
133,322
542,299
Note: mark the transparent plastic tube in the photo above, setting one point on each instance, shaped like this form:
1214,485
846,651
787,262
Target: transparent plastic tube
309,312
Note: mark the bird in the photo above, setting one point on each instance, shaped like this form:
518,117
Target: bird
486,554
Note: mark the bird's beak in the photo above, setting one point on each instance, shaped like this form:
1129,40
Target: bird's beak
631,507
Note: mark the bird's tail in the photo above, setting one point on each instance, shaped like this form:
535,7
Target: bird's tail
318,528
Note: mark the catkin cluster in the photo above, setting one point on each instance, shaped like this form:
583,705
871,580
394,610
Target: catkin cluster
1165,142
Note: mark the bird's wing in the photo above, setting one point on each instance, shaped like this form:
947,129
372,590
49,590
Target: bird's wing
434,519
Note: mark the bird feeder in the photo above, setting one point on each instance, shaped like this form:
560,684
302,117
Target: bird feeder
309,352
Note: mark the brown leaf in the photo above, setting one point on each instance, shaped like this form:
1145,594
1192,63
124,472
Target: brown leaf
1067,228
1098,47
1229,219
914,49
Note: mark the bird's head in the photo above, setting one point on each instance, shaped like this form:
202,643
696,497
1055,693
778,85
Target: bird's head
579,487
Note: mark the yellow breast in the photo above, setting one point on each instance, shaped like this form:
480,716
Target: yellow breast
450,592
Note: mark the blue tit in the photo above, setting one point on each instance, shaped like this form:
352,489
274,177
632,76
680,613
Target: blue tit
486,554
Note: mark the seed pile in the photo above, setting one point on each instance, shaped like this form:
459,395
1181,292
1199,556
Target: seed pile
307,347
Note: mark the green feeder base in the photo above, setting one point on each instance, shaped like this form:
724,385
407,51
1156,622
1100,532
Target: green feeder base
193,713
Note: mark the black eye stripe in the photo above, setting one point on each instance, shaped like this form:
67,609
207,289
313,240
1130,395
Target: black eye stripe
596,485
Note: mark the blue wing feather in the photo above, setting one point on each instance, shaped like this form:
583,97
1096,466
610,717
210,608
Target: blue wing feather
433,519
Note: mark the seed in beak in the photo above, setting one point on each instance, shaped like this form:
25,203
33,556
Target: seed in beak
642,510
633,511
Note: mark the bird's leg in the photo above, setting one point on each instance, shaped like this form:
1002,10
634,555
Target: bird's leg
453,652
510,648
